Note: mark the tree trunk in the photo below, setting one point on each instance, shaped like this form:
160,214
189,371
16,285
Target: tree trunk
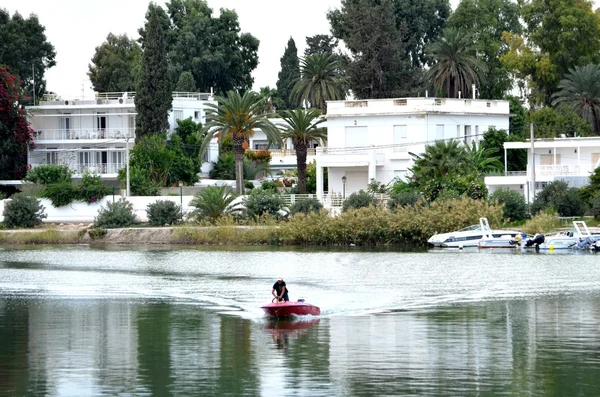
300,147
596,117
239,170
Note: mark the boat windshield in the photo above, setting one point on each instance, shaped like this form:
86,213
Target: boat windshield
471,228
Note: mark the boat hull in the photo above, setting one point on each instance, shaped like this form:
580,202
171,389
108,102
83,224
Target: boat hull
288,309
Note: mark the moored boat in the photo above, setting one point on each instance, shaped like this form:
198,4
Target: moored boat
287,309
503,241
468,237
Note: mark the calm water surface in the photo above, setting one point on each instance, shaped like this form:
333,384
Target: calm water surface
78,321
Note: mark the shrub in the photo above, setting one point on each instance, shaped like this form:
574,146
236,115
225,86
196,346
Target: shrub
212,203
248,185
163,212
596,206
306,206
60,193
515,207
23,211
47,174
377,187
117,214
402,199
358,200
399,186
558,195
92,188
97,233
139,181
259,156
260,202
269,186
543,222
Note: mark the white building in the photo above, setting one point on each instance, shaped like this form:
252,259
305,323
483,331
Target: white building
568,159
94,134
371,139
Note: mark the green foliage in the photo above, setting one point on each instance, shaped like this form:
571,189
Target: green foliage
213,202
61,193
515,208
595,207
97,233
483,159
259,156
140,183
185,83
402,199
558,195
399,186
269,186
116,65
16,137
486,20
311,178
377,187
289,73
23,211
92,188
456,66
248,185
25,47
493,141
358,200
589,191
319,82
47,174
153,97
116,215
163,212
543,222
262,202
306,206
553,122
518,126
224,167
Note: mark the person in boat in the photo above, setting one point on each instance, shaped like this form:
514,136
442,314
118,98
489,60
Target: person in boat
280,290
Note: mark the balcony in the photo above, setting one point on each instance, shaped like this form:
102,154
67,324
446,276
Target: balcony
83,134
290,152
100,169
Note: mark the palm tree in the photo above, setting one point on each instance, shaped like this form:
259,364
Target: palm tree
456,65
482,158
319,82
213,202
237,116
441,159
302,127
580,90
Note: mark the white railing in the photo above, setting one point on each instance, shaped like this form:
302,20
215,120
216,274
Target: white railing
553,170
76,134
290,152
115,95
332,200
102,169
201,96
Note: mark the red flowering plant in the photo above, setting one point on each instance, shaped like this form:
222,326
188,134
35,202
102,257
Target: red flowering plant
16,135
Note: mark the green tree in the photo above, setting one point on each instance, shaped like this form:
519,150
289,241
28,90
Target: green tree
214,202
302,127
16,137
486,20
560,196
26,51
237,116
514,206
483,159
456,65
518,118
553,122
153,96
580,90
116,65
493,140
592,189
320,44
319,82
289,73
186,83
23,211
559,35
270,100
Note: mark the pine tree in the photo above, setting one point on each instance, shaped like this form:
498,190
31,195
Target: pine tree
289,74
153,95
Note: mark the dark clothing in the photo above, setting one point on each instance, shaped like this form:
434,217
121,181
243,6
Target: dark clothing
278,288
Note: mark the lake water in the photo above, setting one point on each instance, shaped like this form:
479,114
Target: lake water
78,321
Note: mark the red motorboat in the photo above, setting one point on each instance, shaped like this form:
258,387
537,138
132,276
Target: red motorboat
287,309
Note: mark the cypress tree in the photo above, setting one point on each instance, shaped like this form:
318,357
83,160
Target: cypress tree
289,74
153,95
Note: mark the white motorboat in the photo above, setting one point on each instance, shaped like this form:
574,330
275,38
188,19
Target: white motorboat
469,236
503,241
566,239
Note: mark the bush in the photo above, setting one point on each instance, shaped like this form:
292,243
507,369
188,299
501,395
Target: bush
248,185
60,193
306,206
377,187
402,199
269,186
23,211
92,188
558,195
596,206
515,207
261,202
358,200
97,233
139,182
117,214
212,203
163,212
543,222
47,174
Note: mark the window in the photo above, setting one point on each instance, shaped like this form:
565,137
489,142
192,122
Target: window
467,134
400,138
178,114
548,159
84,158
458,133
260,145
197,115
65,124
356,136
439,132
117,158
52,158
101,122
476,132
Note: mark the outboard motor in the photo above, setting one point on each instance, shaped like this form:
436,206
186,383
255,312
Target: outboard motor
536,240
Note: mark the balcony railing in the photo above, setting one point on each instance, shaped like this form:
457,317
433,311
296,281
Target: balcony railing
290,152
75,134
552,170
102,169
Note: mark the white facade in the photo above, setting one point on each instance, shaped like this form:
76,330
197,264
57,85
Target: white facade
94,135
568,159
372,139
